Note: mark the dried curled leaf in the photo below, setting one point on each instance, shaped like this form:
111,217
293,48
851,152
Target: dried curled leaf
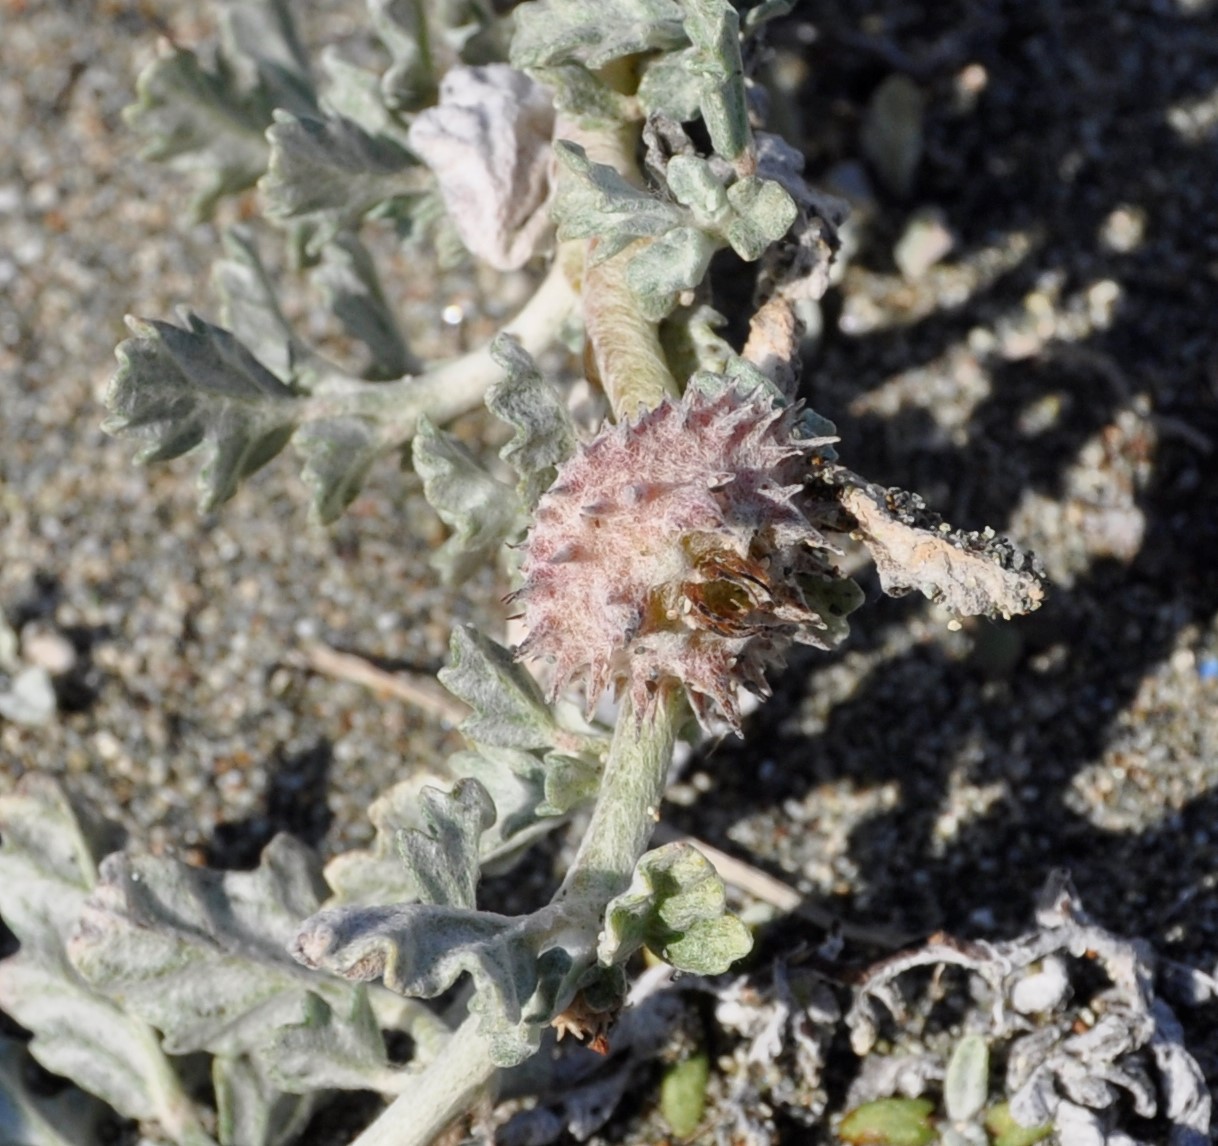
488,143
971,573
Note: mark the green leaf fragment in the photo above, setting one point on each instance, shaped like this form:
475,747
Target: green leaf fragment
675,906
694,183
569,782
442,856
583,95
177,388
545,434
764,212
1005,1131
683,1093
967,1080
509,708
480,510
671,86
889,1122
592,33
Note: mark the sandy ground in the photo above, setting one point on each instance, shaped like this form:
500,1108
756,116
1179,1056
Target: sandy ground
1052,373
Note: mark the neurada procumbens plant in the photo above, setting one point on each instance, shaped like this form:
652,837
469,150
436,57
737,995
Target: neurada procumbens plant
668,558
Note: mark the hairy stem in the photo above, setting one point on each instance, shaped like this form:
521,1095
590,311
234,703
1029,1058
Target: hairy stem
449,390
448,1085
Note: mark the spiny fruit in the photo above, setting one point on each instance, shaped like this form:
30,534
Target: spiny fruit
678,551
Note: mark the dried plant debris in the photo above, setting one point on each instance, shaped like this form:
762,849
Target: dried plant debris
970,572
1079,1057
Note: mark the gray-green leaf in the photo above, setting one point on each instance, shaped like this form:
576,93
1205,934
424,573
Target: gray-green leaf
251,1110
545,434
443,855
675,262
480,510
675,906
593,33
594,201
337,453
714,29
330,173
352,290
509,708
178,388
199,954
765,213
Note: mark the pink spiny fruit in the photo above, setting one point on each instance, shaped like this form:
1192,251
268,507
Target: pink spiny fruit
673,552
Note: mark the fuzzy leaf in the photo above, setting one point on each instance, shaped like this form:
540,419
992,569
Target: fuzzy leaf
683,1093
352,291
583,95
210,116
199,954
423,949
509,708
49,853
480,510
552,32
970,573
516,783
337,453
376,874
443,855
569,782
765,213
178,388
671,87
674,262
594,201
967,1081
714,29
694,184
249,308
675,906
545,434
331,1052
402,26
355,94
251,1110
890,1122
67,1118
330,173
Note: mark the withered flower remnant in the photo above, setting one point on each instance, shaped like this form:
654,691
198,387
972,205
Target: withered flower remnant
674,551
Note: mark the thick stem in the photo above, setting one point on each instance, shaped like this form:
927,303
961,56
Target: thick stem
450,390
627,805
446,1087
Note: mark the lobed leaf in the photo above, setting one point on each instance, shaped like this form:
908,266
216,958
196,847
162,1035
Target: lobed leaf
199,954
177,388
442,856
676,907
509,708
676,261
545,434
594,201
764,213
480,510
209,117
421,950
713,27
337,453
49,852
329,172
587,32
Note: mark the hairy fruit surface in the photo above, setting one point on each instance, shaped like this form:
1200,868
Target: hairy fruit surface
676,551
